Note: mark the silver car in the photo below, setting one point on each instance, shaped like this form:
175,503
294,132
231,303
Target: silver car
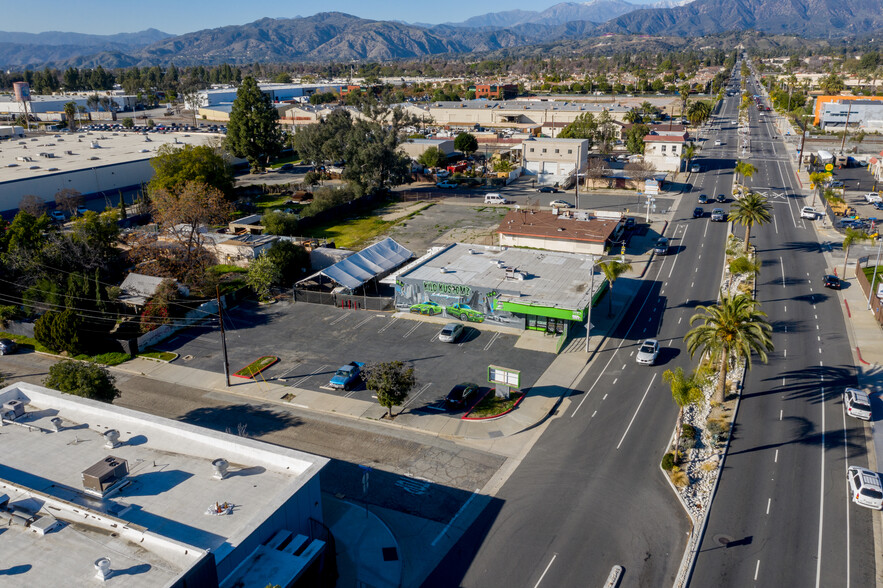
648,352
450,333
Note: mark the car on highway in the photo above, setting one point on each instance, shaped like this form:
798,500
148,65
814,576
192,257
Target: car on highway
461,395
720,198
864,487
560,204
446,185
450,333
718,215
648,352
347,376
809,212
8,346
873,197
695,168
857,404
464,312
698,212
832,282
703,199
548,190
57,215
661,246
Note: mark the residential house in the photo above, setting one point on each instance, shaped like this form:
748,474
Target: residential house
663,151
137,289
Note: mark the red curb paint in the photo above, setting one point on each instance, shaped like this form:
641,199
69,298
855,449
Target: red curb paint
797,173
466,416
846,302
858,351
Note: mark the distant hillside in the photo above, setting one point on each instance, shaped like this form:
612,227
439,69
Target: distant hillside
810,18
139,39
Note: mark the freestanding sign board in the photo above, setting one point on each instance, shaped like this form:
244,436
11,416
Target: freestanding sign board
505,379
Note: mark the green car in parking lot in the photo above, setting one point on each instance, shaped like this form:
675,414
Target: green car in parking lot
464,313
429,307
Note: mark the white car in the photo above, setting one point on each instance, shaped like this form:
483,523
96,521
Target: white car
450,333
695,168
872,197
560,204
648,352
864,487
857,404
809,212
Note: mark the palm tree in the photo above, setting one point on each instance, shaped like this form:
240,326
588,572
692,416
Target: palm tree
685,391
817,179
632,116
852,236
612,270
751,210
745,170
70,114
688,154
732,328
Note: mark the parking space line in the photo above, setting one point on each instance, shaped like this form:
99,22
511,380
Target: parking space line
388,325
414,328
300,382
340,318
414,397
364,321
491,342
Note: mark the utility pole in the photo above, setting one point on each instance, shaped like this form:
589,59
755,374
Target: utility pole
846,127
223,338
591,299
802,141
576,175
874,278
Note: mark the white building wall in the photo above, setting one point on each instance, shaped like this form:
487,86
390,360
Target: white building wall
552,244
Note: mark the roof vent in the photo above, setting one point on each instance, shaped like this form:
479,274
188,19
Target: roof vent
94,145
102,569
56,424
12,409
111,439
560,229
444,270
220,466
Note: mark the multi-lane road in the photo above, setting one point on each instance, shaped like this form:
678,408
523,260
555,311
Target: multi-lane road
590,494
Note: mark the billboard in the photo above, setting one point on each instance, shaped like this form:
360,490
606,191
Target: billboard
22,91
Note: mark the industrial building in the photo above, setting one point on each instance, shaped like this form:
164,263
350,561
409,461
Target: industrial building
523,288
51,108
93,494
518,114
276,92
864,114
88,162
552,161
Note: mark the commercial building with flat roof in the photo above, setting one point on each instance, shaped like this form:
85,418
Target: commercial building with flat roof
95,494
517,113
524,288
88,162
276,92
567,230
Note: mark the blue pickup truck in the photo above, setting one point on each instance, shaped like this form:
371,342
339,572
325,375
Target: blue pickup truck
347,376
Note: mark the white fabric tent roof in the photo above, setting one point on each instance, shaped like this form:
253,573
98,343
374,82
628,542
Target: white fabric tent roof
368,263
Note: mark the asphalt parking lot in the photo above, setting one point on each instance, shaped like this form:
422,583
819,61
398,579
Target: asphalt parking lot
313,340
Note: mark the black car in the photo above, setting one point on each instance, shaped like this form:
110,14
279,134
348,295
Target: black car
661,247
698,212
721,198
832,282
461,395
548,189
703,199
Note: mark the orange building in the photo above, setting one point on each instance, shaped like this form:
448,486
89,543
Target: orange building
820,100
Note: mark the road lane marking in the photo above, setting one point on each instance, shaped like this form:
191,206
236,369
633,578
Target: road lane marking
605,397
820,350
756,570
768,502
846,465
780,418
636,411
451,522
623,366
675,262
782,263
614,380
680,319
776,457
365,321
785,351
821,496
594,413
775,224
546,570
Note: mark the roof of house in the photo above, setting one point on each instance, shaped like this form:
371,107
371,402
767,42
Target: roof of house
250,241
137,288
547,225
670,138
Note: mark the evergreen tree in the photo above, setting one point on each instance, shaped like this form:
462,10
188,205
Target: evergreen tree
253,132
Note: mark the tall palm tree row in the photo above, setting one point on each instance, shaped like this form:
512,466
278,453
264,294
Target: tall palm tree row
612,270
753,209
744,170
733,328
851,237
685,390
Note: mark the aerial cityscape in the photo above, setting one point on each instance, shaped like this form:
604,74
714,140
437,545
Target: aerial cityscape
500,295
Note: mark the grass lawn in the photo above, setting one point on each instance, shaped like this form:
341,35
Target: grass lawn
869,273
290,158
222,269
257,366
269,202
160,355
491,406
111,358
352,233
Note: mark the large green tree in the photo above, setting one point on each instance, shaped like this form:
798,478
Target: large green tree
466,143
262,274
253,131
733,328
634,140
432,157
392,381
88,380
584,127
174,166
292,261
752,209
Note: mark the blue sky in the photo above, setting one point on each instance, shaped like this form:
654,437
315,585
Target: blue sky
184,16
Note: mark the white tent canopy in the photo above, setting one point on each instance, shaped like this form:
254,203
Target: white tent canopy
371,262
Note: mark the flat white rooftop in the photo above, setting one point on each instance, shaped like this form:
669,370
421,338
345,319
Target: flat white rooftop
156,526
553,279
74,151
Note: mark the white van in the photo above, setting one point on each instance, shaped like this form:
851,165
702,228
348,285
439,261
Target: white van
495,199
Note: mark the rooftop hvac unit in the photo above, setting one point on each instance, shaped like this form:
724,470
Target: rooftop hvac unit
105,474
12,409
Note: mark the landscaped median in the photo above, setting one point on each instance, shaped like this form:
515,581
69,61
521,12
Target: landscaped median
256,367
492,406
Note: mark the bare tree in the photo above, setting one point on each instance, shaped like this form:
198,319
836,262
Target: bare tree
68,200
33,205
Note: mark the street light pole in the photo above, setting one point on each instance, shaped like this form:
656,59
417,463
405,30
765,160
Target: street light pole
874,279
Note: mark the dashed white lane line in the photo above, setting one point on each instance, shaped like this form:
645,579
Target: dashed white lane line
822,495
614,381
782,263
756,570
680,318
546,570
768,502
785,352
594,413
780,418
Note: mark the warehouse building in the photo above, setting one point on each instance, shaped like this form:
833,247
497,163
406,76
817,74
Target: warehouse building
866,114
98,495
518,114
524,288
276,92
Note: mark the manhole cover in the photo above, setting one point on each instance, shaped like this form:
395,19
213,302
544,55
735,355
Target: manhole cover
723,539
187,357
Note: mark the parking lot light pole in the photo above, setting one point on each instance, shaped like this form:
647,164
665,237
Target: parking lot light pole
223,338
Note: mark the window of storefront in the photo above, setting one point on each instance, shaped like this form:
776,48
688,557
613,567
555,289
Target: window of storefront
548,325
